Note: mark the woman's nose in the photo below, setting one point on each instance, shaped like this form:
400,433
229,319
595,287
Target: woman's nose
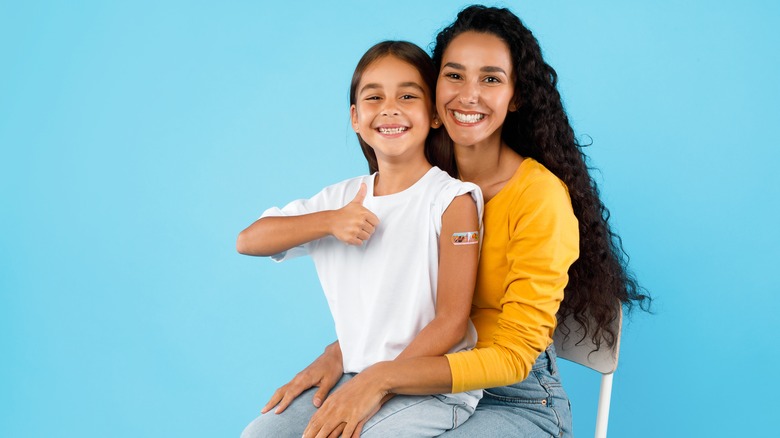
469,93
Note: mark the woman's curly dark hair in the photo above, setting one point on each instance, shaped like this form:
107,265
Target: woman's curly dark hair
540,129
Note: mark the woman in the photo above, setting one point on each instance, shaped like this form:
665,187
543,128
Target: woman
498,100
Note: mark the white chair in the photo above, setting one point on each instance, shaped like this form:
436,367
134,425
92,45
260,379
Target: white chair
604,360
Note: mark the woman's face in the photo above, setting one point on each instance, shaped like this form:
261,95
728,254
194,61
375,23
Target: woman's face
475,88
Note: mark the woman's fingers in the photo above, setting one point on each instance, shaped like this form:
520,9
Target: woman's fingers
338,431
349,429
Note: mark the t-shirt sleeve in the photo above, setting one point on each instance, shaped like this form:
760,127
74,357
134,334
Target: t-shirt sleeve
327,199
288,210
450,191
544,242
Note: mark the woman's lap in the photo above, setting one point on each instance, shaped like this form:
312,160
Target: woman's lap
536,407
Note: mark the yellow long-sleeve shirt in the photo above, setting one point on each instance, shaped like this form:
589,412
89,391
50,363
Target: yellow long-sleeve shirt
531,238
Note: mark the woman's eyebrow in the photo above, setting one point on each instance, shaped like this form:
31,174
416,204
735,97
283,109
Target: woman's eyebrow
486,69
492,69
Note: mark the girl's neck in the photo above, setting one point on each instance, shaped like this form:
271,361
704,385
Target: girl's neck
488,165
397,177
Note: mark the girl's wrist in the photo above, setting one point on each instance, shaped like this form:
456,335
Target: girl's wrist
327,221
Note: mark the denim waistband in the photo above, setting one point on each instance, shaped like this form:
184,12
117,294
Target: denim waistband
547,360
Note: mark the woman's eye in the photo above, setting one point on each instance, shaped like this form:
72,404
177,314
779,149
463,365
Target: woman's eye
452,76
492,80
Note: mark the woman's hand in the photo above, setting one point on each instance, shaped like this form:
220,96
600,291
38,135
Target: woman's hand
324,372
347,409
353,224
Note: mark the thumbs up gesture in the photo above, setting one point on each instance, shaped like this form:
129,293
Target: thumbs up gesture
353,224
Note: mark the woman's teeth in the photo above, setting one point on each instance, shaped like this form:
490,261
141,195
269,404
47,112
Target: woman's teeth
468,118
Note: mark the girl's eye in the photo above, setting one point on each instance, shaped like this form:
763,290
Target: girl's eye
372,98
408,96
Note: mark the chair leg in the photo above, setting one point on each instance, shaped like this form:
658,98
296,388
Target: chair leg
602,416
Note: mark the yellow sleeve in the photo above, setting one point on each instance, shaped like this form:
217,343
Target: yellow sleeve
543,243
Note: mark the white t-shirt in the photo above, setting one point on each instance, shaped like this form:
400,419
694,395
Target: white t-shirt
383,293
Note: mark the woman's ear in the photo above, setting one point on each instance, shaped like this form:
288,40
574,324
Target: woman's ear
353,115
513,105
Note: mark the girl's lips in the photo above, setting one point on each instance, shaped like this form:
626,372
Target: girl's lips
391,130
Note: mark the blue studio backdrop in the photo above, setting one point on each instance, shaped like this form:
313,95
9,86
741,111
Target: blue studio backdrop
138,138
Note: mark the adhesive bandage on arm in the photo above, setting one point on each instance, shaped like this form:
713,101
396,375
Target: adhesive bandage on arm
467,238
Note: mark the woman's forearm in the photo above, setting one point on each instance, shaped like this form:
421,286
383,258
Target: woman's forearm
412,376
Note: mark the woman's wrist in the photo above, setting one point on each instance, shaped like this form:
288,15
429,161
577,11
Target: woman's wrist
379,377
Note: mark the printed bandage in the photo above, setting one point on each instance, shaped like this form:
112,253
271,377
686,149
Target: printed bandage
467,238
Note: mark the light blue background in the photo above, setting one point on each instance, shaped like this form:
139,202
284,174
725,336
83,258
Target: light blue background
137,140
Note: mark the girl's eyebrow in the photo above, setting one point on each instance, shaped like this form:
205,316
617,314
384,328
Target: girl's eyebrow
486,69
375,86
412,85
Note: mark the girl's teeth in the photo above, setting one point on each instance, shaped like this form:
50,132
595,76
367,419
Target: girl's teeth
391,131
468,118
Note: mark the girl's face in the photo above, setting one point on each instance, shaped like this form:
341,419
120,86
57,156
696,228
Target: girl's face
393,111
475,88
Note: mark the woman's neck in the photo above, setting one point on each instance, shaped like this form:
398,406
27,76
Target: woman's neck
397,177
490,165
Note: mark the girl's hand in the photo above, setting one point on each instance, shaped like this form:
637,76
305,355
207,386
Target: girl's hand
324,372
347,409
353,224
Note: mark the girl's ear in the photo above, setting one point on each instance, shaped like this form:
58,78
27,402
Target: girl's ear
435,122
354,118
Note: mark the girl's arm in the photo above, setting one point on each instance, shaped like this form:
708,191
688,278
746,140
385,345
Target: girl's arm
422,367
457,278
352,224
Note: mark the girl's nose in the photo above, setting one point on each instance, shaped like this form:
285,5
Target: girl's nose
390,109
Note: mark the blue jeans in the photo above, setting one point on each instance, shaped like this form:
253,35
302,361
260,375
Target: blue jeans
536,407
401,416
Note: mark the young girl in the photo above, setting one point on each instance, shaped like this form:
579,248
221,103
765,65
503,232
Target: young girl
396,251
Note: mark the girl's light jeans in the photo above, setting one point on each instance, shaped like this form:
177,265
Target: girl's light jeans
402,416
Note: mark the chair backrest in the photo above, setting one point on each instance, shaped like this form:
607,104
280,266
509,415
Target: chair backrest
580,350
